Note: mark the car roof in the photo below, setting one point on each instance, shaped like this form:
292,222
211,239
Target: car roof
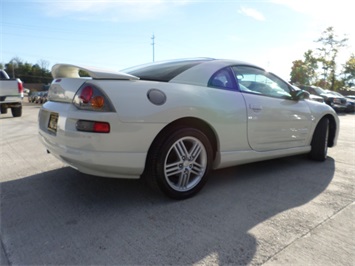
196,71
201,73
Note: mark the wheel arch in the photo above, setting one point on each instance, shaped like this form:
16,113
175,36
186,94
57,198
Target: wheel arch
192,122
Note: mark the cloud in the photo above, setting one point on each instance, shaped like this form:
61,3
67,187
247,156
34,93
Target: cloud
253,13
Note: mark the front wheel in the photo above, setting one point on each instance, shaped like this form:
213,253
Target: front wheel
319,142
180,162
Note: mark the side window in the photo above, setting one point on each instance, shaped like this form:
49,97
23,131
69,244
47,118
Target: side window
222,79
257,81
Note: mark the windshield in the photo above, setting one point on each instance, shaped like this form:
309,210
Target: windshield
319,90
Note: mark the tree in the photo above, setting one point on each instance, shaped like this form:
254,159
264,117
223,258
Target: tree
29,73
11,67
327,55
304,71
349,71
298,73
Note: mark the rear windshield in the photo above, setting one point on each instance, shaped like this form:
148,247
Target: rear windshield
164,71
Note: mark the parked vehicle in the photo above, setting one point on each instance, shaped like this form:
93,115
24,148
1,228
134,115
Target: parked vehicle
44,97
336,102
38,97
312,97
172,122
11,94
34,97
350,104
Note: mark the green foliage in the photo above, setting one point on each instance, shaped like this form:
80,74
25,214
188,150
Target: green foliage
320,67
349,72
304,71
298,73
29,73
327,54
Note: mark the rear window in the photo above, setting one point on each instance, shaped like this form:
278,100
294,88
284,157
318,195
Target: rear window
164,71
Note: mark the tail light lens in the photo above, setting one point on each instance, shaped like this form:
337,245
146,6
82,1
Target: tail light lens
20,87
93,126
89,97
86,94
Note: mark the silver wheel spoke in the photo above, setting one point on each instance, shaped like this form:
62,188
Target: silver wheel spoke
195,151
197,169
184,180
173,169
185,164
181,149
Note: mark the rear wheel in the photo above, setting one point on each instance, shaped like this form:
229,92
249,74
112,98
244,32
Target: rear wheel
16,111
180,162
320,141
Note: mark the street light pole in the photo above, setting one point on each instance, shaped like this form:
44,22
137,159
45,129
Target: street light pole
153,43
13,69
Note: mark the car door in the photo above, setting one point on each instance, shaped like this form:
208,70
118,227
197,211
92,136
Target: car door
275,120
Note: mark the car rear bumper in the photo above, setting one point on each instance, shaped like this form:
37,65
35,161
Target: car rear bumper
121,153
106,164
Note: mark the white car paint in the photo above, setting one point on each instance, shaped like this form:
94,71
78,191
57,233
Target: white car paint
248,127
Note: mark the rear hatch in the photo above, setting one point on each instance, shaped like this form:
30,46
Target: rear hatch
63,90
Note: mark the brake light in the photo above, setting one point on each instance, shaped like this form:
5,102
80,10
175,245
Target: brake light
89,97
93,126
86,94
101,127
20,87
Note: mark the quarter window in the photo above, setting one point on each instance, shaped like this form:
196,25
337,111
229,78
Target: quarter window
257,81
222,79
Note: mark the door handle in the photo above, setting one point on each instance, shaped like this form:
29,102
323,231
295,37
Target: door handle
255,108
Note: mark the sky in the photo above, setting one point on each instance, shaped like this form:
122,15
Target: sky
117,34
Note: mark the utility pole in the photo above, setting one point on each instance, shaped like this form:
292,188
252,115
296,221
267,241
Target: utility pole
153,43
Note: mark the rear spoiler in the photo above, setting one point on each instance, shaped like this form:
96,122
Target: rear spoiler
72,71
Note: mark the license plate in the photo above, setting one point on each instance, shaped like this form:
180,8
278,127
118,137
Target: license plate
53,121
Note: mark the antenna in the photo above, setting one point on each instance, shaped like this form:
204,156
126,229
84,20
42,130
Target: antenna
153,43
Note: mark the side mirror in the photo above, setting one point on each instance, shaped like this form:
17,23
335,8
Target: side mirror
300,95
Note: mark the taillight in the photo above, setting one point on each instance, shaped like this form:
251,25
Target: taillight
86,94
90,97
93,126
20,87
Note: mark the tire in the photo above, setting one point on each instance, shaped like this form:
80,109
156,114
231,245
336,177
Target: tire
3,109
319,142
16,111
179,162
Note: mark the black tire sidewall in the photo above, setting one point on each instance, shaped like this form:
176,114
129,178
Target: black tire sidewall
161,152
319,141
16,111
